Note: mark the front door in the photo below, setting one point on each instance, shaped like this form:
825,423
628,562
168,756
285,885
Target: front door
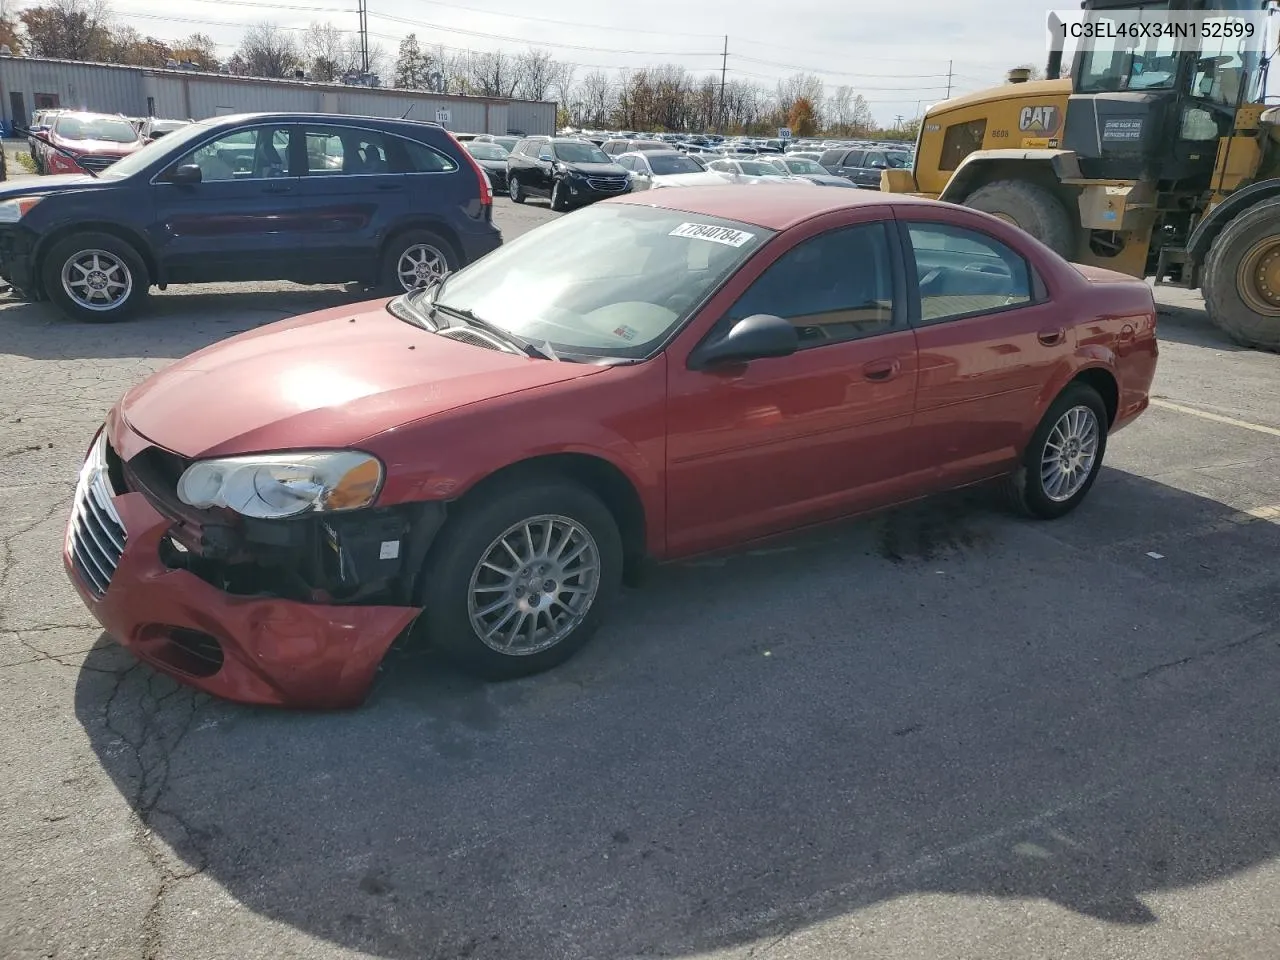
756,448
989,339
241,221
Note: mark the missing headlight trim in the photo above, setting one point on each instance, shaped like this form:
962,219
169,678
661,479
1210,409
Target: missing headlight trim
345,558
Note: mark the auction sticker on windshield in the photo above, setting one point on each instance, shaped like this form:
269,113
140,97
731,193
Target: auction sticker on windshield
709,231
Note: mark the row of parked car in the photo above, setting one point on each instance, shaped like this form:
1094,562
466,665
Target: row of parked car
74,141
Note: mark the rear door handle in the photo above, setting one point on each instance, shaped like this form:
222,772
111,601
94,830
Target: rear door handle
881,369
390,186
277,189
1126,332
1051,338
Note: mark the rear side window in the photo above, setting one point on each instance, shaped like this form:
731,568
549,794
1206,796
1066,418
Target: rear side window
421,158
962,273
831,158
960,140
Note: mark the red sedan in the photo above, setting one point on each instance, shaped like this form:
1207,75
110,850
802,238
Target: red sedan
653,377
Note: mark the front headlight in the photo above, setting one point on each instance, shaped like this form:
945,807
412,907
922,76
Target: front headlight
11,211
275,485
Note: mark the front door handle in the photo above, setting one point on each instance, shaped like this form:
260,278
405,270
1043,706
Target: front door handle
390,186
881,369
1051,338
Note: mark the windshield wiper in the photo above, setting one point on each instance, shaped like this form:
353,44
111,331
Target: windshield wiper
53,146
527,347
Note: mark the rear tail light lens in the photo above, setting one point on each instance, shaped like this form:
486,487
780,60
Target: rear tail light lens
486,192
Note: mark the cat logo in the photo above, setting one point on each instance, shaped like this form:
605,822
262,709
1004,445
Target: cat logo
1041,120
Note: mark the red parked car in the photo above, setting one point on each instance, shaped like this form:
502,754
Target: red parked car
653,377
95,141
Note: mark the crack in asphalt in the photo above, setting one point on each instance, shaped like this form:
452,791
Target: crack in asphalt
8,559
1200,655
153,744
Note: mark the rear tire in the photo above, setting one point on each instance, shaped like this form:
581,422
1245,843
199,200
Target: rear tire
1030,207
1035,489
1238,272
416,254
95,277
465,595
514,189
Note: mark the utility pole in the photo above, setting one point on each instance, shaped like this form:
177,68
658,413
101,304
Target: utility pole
949,65
363,9
897,122
724,68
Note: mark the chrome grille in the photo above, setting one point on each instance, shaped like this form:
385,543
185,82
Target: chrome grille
607,183
95,535
96,163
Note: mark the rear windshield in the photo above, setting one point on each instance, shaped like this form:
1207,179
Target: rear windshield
663,165
581,153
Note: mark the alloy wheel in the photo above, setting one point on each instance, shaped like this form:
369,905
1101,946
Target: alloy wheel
97,280
1069,454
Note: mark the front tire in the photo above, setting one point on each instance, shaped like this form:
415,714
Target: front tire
559,199
521,578
514,189
95,277
1064,456
1242,278
415,259
1031,208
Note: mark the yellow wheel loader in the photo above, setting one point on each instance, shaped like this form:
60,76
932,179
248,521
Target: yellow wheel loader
1154,158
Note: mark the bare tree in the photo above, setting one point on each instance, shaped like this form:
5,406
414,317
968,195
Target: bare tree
323,49
493,74
597,98
269,51
536,70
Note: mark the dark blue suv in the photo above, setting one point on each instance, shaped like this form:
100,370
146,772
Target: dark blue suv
313,198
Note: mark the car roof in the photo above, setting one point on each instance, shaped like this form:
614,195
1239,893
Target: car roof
772,206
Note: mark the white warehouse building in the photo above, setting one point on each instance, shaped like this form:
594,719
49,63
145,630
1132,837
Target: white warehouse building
28,84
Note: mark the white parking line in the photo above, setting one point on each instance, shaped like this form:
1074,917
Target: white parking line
1215,417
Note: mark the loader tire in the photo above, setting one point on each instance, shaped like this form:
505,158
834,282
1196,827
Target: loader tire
1241,280
1030,207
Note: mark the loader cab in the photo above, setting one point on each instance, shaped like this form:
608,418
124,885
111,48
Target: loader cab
1154,108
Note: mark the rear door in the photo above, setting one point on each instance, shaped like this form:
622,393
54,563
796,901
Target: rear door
353,186
990,340
242,221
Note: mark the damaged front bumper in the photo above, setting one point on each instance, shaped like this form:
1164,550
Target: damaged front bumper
217,622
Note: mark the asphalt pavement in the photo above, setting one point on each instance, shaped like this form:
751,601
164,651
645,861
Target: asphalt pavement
938,733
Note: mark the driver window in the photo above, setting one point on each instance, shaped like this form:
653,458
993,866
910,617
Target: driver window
962,272
257,154
834,287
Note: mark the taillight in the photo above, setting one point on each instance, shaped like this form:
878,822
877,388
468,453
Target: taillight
486,193
61,163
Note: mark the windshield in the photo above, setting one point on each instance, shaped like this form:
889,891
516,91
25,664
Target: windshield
803,166
506,143
758,168
95,128
172,143
611,280
663,165
1113,63
898,161
166,126
581,153
487,151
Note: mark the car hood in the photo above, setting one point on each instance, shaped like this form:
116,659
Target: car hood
110,147
326,380
597,169
52,184
825,179
690,179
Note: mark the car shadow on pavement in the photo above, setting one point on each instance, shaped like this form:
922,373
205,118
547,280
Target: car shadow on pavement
1193,327
939,699
173,324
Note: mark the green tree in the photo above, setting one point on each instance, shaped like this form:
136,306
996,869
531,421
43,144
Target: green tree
411,65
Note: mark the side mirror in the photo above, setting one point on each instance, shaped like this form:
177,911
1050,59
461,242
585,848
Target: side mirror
545,157
753,338
186,174
879,165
